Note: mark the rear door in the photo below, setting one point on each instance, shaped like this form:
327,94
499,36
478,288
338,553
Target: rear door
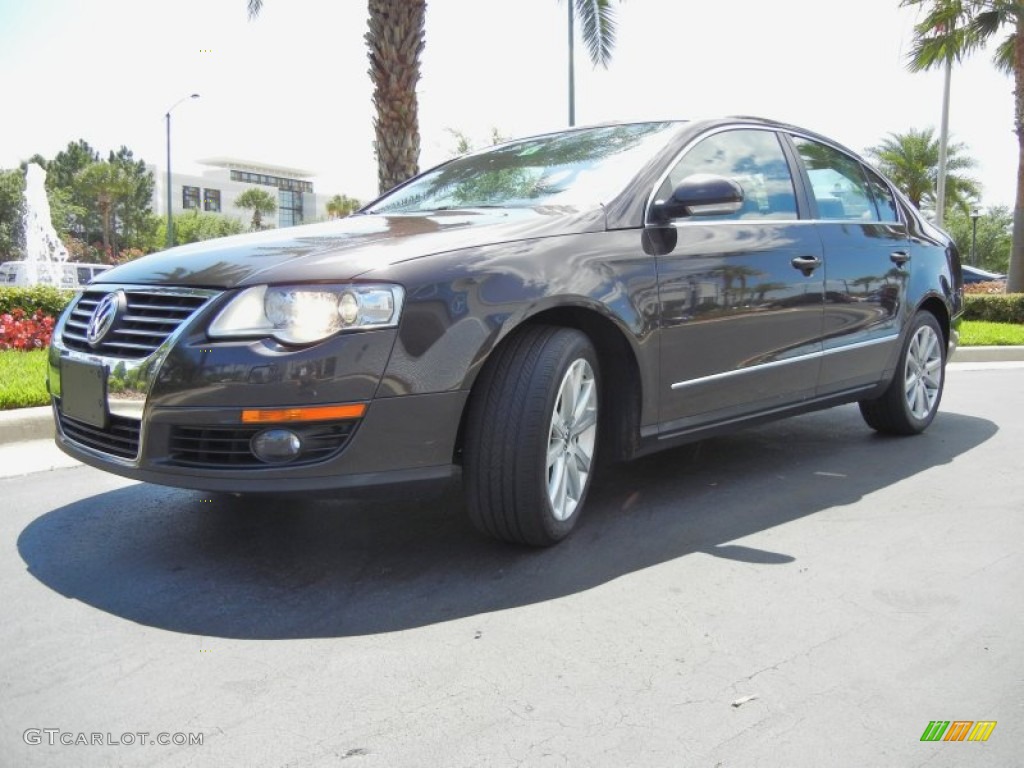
741,323
867,265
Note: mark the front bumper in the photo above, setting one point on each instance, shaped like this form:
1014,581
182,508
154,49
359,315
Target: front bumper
173,414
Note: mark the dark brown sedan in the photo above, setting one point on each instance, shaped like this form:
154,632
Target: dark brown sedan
519,316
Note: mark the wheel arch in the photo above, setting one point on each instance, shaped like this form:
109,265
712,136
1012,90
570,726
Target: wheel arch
937,307
621,378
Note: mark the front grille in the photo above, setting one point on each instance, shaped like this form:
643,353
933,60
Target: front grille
150,318
120,438
228,447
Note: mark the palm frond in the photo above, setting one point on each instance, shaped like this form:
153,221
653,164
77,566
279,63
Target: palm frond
1003,58
597,28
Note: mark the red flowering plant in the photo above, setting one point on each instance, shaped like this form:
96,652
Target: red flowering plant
19,330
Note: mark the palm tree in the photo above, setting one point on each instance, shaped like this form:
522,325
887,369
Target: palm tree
952,29
911,160
259,202
340,206
108,185
598,30
395,39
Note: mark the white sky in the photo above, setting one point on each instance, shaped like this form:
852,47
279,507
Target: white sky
291,88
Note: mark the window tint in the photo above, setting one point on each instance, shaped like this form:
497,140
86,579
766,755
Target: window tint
837,182
884,201
754,160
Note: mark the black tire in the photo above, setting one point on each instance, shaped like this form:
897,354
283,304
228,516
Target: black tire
515,443
912,398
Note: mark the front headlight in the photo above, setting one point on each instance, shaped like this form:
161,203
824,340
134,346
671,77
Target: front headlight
303,314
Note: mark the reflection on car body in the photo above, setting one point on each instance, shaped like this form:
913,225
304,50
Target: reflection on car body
518,317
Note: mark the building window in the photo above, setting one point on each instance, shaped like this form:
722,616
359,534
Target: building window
289,204
211,200
189,197
296,185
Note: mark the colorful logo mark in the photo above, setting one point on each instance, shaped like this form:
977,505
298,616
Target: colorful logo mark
958,730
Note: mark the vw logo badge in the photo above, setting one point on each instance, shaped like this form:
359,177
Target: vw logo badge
102,318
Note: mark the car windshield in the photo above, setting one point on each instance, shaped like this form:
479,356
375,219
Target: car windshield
574,168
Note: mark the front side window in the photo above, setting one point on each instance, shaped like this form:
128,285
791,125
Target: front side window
754,160
838,183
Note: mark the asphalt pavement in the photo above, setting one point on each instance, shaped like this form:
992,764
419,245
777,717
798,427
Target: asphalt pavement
805,593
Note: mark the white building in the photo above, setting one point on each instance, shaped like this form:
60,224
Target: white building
215,191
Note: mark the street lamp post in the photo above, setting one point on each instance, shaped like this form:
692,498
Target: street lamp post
170,222
975,214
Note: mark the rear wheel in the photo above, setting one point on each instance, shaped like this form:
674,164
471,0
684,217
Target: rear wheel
531,436
909,404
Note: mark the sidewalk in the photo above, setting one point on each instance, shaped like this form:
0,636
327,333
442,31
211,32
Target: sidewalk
26,434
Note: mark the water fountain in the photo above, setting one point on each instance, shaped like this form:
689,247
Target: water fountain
45,254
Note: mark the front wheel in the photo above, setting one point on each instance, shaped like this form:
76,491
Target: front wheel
911,401
531,436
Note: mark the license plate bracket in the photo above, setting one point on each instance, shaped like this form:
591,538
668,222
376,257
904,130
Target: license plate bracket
83,392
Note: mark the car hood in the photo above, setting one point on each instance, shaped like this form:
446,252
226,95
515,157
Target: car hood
346,248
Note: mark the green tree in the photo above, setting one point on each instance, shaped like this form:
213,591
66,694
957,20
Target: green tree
395,39
464,144
193,226
258,201
953,29
107,185
12,212
994,237
133,215
340,206
72,209
911,160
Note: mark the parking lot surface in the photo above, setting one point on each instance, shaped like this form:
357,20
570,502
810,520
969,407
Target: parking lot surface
802,594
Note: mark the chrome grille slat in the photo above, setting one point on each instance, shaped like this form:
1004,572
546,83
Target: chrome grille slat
150,317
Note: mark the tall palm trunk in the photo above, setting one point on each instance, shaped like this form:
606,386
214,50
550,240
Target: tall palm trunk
1015,279
395,40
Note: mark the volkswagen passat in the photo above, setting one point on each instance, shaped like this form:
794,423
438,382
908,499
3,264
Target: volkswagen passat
517,317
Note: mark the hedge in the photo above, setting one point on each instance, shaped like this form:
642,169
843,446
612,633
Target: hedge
45,297
995,308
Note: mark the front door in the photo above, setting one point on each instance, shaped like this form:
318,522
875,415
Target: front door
740,294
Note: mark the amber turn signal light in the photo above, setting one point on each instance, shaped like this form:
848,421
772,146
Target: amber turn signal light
313,413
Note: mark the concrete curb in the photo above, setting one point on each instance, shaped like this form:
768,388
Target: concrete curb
987,355
26,424
37,423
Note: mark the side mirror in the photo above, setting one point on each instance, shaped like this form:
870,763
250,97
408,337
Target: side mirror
701,194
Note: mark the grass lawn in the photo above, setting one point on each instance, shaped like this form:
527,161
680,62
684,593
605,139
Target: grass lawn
22,378
977,333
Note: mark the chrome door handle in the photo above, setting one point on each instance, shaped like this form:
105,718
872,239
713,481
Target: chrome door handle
806,264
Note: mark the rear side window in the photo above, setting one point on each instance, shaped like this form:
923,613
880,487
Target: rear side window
884,201
838,183
754,160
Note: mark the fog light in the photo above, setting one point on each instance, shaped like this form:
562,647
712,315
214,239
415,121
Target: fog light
276,446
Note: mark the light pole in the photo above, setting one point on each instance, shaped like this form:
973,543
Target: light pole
167,117
975,214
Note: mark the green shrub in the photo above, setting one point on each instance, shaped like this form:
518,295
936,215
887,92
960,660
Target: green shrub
995,308
23,378
45,297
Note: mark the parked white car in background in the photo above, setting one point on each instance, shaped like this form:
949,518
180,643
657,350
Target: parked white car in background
71,274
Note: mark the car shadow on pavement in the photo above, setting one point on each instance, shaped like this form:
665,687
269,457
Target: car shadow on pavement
289,567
